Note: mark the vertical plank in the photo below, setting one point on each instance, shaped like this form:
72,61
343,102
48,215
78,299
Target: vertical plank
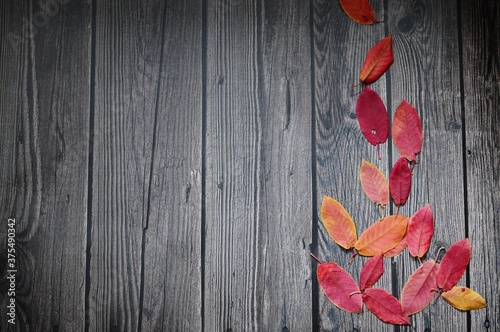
258,167
481,73
340,46
44,96
425,74
126,69
172,253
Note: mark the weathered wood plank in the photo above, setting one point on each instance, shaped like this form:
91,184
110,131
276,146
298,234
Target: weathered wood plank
425,74
127,60
340,46
258,167
481,73
172,253
44,98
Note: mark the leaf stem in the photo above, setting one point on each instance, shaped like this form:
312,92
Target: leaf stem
315,258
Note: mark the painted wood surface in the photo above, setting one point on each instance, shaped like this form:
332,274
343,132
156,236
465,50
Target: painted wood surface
166,161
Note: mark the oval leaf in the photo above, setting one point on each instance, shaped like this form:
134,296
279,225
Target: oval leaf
400,182
464,298
372,116
397,249
385,306
453,265
359,11
418,291
382,236
407,131
371,272
374,183
378,60
420,231
339,286
338,223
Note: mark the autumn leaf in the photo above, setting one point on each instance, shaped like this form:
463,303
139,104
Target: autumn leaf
359,11
420,288
372,117
374,183
464,298
400,182
397,249
385,306
453,265
338,223
407,131
371,272
378,59
382,236
420,231
339,287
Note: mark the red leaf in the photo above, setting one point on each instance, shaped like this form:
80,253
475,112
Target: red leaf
397,249
453,265
382,236
378,60
420,231
372,116
338,223
419,289
407,131
359,11
400,182
371,272
385,306
339,286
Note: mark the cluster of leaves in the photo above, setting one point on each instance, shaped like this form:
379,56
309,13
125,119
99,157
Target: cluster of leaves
390,235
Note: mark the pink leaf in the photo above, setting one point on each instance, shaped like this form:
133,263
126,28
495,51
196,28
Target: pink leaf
420,231
419,289
385,306
371,272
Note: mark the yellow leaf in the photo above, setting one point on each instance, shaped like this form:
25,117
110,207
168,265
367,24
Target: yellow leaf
464,298
338,223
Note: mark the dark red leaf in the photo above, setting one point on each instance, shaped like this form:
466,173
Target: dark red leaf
339,286
378,59
372,116
420,288
400,181
371,272
385,306
420,231
453,265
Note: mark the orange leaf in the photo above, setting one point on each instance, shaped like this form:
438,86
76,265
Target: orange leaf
359,11
407,131
464,298
338,223
378,60
374,183
382,236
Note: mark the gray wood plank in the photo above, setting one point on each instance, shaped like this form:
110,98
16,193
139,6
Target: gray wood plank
127,60
258,167
340,46
481,73
172,253
425,73
44,98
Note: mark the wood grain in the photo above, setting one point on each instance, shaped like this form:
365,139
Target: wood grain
424,73
340,46
172,249
127,58
44,97
481,103
258,179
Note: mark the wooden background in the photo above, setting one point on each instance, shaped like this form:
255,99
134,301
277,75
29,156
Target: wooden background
165,161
